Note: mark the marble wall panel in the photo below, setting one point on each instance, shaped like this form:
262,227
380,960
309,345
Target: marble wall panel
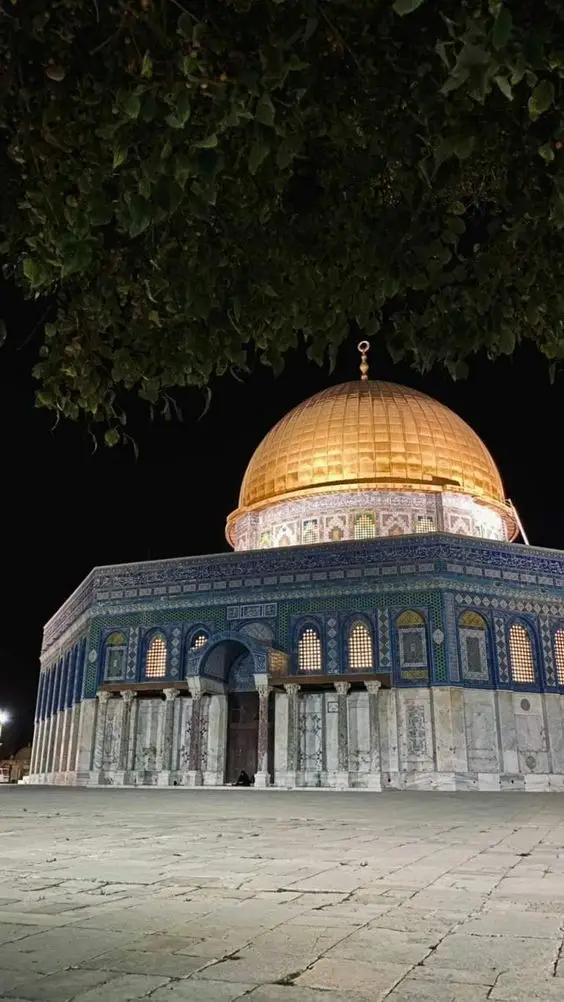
481,731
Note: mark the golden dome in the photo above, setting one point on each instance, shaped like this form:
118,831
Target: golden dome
370,436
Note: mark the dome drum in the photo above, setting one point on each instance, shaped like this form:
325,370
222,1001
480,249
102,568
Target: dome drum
329,518
390,457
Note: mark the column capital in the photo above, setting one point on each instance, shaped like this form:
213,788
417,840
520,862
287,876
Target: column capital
292,688
342,687
261,685
171,694
373,686
103,696
128,695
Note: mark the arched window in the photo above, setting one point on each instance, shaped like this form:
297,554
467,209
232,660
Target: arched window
115,652
559,655
309,650
521,656
310,531
473,646
155,661
412,640
360,651
364,526
425,523
199,639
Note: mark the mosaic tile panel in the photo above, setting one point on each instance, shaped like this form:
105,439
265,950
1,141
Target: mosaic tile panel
175,651
546,632
122,583
384,642
332,645
132,653
501,650
451,630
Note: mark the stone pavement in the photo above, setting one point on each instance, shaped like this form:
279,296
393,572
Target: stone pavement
274,896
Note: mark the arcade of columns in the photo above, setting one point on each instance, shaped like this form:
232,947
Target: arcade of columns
72,745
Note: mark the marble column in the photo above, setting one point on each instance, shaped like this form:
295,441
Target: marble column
122,775
194,775
72,742
37,727
293,746
53,721
166,730
342,774
66,716
217,740
262,777
97,774
375,774
86,731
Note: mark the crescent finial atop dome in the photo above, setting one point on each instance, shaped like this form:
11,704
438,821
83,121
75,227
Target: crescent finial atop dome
364,348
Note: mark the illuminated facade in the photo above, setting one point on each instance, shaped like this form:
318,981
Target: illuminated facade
375,626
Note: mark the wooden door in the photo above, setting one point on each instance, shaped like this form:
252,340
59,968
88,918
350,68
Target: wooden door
242,735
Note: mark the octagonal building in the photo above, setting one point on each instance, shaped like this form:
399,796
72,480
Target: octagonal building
375,627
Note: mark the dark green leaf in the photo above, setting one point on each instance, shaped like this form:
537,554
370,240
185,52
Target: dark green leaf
502,29
209,143
406,6
259,152
463,148
504,86
547,152
541,99
265,111
111,436
310,28
132,105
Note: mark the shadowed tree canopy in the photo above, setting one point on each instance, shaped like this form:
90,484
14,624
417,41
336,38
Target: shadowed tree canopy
185,181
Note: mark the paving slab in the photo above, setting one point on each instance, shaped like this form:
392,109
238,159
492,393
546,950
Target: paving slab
111,895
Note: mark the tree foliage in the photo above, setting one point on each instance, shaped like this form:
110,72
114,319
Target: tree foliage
187,180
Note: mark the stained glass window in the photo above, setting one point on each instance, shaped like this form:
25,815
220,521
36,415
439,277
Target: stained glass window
364,526
198,640
309,650
472,620
559,655
155,662
410,619
361,656
521,654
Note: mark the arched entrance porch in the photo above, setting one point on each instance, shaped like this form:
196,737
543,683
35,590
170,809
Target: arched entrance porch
232,729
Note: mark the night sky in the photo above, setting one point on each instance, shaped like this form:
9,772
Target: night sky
67,509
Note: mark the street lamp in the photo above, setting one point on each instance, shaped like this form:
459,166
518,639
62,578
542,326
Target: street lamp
4,718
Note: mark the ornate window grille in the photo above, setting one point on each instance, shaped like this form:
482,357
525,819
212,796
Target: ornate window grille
364,526
425,523
199,639
155,660
360,649
559,655
309,650
521,656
